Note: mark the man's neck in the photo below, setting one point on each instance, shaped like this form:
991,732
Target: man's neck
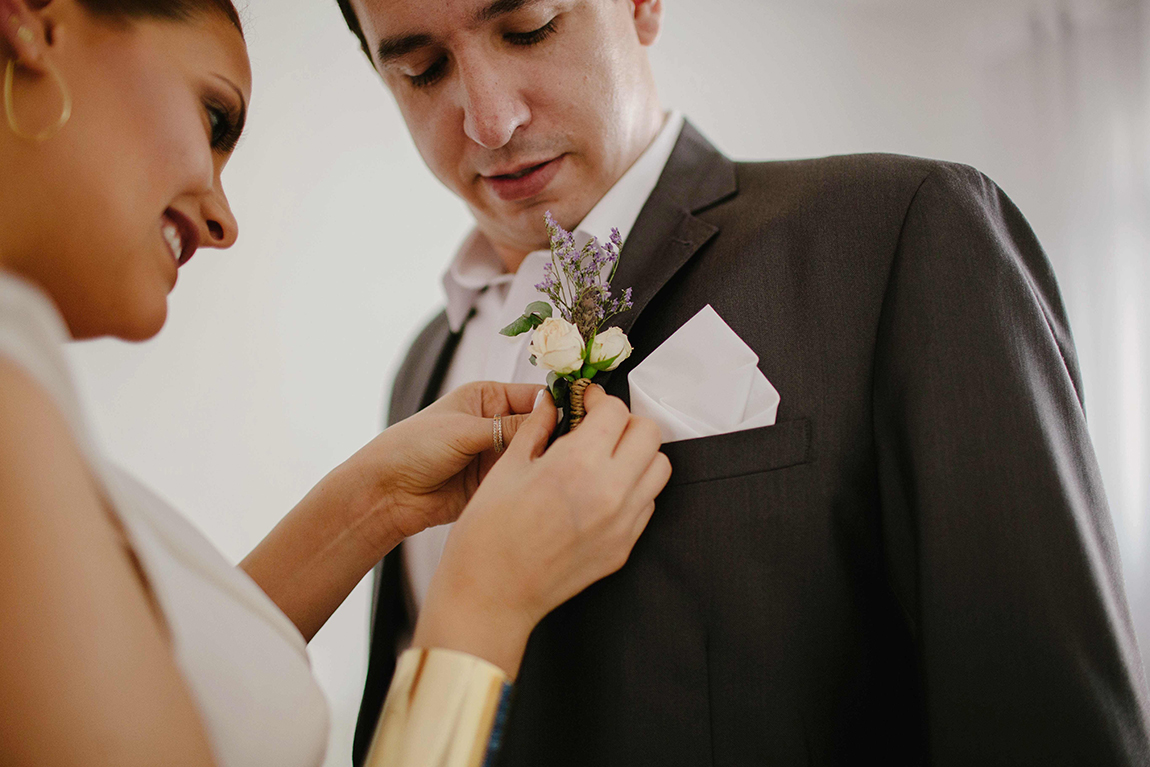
512,258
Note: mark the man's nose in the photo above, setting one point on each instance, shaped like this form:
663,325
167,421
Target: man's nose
493,107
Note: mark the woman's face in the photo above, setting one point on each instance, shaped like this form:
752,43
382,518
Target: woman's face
128,190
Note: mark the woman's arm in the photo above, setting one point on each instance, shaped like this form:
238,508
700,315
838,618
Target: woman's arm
541,529
316,555
416,474
84,654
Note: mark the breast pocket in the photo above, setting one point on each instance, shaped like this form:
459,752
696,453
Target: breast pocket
740,453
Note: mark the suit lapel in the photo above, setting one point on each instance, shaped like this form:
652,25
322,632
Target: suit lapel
667,233
421,377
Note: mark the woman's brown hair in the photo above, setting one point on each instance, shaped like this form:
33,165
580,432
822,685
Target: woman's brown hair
163,9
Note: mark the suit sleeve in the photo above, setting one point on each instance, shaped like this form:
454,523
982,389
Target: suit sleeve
999,543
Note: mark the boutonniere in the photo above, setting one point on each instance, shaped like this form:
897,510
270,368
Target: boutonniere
573,345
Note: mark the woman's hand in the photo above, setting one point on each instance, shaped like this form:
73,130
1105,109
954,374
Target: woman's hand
428,466
418,473
543,527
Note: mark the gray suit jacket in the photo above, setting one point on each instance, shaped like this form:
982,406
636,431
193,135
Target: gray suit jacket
915,564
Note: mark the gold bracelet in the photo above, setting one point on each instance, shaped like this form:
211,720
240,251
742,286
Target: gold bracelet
443,708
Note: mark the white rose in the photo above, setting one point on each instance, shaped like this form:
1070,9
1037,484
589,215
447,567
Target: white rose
557,345
612,342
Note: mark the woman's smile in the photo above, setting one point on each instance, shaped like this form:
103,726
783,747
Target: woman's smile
181,235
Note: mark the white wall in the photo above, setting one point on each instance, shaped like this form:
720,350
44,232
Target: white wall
275,361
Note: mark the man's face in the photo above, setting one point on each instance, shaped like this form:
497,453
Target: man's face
520,106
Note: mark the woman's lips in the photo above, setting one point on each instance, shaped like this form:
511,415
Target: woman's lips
189,236
512,189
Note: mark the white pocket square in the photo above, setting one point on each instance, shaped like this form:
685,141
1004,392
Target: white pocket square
703,380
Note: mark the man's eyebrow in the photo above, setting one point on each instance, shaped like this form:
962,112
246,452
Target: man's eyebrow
391,48
501,8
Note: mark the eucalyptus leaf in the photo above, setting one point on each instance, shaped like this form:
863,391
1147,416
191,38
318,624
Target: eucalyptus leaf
605,364
542,308
519,327
559,389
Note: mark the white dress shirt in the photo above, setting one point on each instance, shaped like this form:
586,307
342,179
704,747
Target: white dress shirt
476,281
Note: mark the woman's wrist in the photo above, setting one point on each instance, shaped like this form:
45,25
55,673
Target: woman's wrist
368,504
458,616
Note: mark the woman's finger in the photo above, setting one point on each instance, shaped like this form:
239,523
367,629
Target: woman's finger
533,431
605,421
639,443
510,399
506,399
650,484
487,399
640,523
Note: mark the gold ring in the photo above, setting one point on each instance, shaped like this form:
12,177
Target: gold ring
497,433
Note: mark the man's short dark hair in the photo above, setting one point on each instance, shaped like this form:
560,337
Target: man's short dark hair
353,25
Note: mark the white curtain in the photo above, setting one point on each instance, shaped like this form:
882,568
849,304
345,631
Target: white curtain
1069,111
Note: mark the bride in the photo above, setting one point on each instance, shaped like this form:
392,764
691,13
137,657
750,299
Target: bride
127,638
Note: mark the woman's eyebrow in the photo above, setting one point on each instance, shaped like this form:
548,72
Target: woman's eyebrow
243,116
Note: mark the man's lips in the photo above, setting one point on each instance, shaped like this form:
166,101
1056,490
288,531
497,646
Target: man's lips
524,181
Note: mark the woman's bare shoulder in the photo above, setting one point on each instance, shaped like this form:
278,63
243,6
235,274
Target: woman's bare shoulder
85,646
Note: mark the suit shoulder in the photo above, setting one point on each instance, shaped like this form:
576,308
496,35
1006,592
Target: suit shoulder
876,175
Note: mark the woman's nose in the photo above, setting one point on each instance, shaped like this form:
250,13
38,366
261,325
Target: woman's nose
218,226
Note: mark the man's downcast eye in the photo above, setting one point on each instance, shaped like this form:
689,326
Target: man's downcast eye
435,72
430,75
533,37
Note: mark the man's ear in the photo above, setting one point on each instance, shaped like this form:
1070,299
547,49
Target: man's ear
648,20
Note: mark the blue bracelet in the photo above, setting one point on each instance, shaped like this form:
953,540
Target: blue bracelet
496,739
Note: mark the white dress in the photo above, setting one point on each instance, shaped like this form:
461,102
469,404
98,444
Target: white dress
243,660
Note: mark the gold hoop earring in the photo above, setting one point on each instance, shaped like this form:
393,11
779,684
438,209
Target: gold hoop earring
10,107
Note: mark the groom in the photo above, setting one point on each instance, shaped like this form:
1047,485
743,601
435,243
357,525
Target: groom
914,564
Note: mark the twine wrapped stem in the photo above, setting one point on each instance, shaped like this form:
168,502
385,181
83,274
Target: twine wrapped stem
576,399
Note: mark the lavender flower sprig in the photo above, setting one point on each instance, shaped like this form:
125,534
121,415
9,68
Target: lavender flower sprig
577,284
574,279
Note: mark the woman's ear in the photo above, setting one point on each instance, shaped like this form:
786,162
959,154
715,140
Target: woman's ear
648,20
23,33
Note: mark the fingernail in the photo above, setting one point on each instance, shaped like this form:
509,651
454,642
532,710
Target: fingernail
538,399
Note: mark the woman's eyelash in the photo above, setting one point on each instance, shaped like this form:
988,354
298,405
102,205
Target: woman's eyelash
226,125
531,38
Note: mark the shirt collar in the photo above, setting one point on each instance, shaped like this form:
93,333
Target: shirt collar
476,266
